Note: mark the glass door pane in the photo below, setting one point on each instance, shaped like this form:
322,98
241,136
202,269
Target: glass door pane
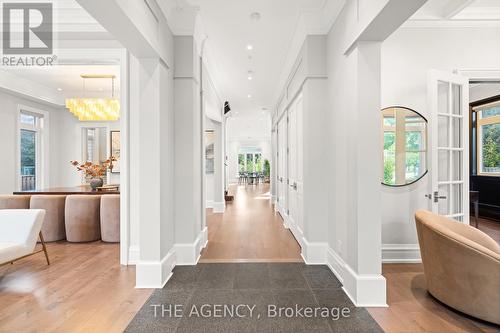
28,160
249,163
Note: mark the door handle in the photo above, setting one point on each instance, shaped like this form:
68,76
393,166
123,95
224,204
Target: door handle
437,196
294,186
429,196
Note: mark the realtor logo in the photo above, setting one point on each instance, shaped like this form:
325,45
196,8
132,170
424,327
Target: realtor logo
27,28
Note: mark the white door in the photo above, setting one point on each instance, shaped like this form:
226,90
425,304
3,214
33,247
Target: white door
449,141
292,164
282,166
295,162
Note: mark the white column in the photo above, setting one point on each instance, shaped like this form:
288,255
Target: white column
149,115
364,281
190,232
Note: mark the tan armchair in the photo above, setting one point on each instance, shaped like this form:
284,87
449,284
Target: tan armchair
461,265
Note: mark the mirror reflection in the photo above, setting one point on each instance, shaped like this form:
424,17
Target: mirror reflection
404,146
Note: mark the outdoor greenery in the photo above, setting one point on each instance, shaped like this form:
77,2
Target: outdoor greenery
241,163
389,158
412,156
267,168
28,152
491,147
249,163
253,162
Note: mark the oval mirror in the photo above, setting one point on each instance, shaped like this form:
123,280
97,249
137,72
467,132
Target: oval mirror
404,146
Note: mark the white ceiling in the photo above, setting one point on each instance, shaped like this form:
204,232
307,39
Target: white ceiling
229,28
68,78
82,46
249,126
459,10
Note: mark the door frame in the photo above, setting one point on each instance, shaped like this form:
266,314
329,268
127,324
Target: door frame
475,74
42,147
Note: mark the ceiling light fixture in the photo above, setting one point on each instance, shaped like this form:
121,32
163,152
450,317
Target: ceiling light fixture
59,89
255,16
249,96
95,109
249,47
250,78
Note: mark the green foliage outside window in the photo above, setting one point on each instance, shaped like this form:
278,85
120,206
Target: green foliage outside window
267,168
28,152
491,147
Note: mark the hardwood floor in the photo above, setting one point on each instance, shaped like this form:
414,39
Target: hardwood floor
249,230
489,227
85,289
413,309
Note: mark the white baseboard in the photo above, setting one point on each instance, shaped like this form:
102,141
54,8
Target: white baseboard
155,274
314,253
133,255
364,290
189,253
219,207
283,215
209,204
336,264
401,253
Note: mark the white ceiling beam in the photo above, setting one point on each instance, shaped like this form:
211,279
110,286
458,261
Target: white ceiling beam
454,7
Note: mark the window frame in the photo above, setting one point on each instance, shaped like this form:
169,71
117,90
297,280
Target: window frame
82,126
479,122
42,130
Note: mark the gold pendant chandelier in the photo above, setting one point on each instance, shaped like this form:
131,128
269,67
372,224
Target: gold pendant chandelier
95,109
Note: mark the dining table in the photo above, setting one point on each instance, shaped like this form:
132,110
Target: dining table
83,189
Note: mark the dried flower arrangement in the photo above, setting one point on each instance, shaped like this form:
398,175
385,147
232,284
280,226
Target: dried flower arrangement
92,170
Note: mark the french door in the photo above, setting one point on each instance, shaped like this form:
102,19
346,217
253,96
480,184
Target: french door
449,141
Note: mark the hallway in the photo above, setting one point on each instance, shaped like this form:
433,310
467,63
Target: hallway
249,230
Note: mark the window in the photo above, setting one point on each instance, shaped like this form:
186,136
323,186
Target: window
250,162
488,138
94,147
30,150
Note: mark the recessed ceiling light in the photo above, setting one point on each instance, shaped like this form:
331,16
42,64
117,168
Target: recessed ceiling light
250,78
249,96
59,89
255,16
249,47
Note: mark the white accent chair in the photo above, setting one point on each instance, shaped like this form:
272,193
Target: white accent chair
19,231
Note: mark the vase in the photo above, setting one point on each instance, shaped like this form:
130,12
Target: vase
96,182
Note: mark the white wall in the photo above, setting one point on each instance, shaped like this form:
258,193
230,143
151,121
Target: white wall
65,142
406,58
69,129
9,135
